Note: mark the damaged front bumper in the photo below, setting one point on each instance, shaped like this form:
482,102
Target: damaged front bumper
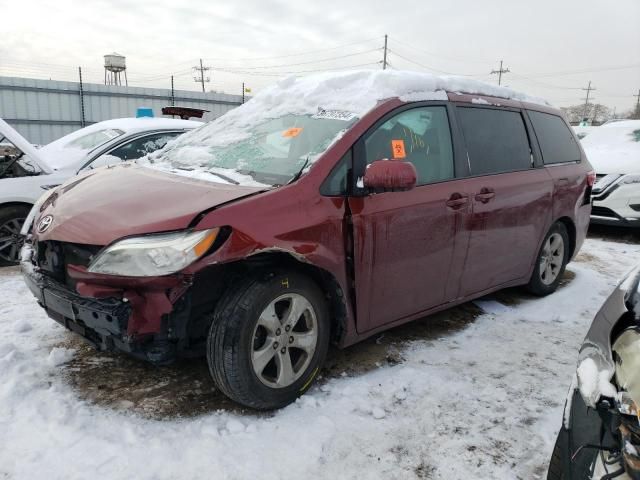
600,434
109,317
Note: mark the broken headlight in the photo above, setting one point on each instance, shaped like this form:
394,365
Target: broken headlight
153,255
626,354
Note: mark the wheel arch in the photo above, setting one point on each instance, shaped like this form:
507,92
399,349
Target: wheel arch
16,204
571,230
283,260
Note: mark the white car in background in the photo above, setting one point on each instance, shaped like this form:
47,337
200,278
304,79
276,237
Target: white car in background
26,175
614,151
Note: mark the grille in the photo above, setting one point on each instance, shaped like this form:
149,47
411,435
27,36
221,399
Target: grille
53,258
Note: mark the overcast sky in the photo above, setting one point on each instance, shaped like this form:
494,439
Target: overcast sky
552,47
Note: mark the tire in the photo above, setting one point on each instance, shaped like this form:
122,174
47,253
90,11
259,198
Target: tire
545,280
556,467
246,330
11,220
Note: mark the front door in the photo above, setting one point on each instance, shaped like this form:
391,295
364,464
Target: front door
409,246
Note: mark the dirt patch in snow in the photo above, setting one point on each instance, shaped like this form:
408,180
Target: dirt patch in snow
185,389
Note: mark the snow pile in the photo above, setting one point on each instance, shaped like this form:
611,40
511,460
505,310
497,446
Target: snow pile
593,382
614,147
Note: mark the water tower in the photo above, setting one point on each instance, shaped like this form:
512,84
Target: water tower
114,65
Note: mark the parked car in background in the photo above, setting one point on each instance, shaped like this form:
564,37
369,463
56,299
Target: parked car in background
327,208
600,433
614,151
29,171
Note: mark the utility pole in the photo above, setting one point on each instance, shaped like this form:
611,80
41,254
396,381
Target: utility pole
586,100
82,119
636,114
500,72
173,93
384,59
243,93
200,78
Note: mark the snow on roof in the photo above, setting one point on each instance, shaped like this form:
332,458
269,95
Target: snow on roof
614,147
356,92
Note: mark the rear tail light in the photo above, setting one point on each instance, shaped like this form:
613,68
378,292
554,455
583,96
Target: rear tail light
591,178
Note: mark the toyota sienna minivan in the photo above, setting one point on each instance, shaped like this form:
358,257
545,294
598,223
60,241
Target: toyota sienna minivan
326,209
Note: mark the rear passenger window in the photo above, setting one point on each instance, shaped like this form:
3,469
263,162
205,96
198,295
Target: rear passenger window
556,141
421,136
497,140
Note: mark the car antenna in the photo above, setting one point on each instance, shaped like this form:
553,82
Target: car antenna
299,174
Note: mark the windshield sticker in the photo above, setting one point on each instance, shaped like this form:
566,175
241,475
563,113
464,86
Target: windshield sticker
397,147
292,132
334,115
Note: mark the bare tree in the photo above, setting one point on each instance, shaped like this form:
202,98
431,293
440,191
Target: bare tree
595,112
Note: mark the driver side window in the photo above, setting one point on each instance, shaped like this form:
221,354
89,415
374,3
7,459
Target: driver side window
421,136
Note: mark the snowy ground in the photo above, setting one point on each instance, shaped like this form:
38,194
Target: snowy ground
464,394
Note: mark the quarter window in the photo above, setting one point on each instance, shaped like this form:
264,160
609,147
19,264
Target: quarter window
496,140
556,141
421,136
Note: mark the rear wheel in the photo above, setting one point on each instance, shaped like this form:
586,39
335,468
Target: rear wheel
11,221
551,261
269,338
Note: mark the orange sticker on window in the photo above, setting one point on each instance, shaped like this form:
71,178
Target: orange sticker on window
397,147
292,132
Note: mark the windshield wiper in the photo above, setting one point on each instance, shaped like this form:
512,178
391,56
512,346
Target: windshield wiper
299,174
224,177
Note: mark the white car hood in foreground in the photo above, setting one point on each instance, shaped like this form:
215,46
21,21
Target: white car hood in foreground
25,147
613,148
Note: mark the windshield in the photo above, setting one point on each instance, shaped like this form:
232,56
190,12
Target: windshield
272,152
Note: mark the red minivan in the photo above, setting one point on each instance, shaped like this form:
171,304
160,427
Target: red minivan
326,209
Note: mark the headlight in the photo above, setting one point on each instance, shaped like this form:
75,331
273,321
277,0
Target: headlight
153,255
626,353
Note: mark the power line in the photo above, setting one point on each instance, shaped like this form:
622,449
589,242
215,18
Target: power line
431,54
429,67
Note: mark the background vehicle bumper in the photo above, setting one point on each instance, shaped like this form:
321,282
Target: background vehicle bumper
617,205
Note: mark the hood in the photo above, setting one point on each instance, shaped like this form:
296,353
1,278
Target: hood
24,146
614,148
110,203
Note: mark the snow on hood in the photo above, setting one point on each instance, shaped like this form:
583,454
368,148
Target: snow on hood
61,153
353,92
614,148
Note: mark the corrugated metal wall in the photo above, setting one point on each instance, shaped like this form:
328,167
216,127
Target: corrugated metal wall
44,110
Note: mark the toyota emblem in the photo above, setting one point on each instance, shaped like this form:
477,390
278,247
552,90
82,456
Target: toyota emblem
45,223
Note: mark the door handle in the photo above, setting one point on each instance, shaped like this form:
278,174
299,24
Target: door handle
485,195
457,201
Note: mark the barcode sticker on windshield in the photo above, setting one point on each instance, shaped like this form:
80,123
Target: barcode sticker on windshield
334,115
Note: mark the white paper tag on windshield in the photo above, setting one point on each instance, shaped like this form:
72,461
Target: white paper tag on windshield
334,115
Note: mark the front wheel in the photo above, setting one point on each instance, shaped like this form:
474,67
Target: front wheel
268,339
551,261
11,220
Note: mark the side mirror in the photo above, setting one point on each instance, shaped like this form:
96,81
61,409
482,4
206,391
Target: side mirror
390,175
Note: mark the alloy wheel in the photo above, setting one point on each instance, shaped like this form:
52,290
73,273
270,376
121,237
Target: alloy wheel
551,259
284,340
11,240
